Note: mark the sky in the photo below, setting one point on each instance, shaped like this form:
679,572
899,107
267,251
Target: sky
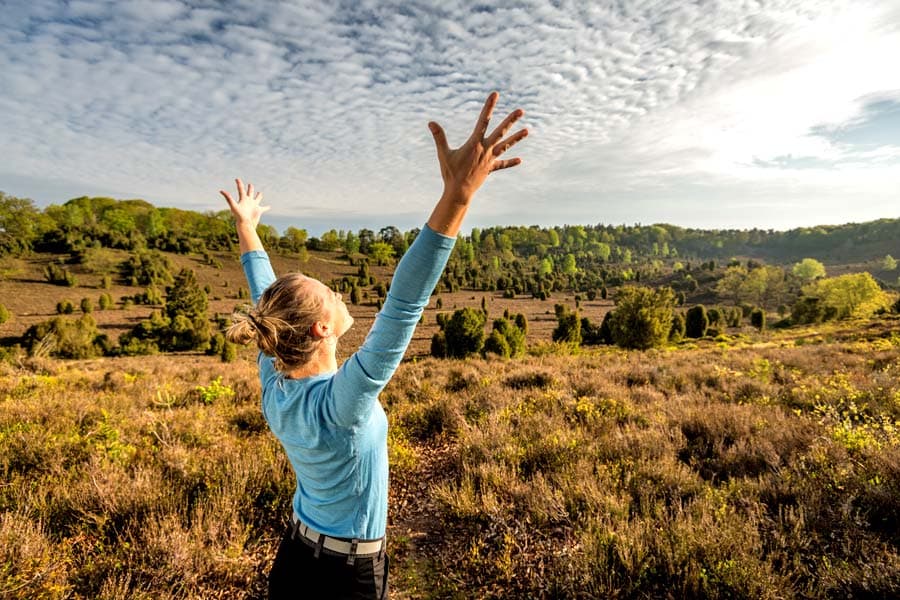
711,114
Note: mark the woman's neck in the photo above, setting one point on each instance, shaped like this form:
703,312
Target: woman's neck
323,361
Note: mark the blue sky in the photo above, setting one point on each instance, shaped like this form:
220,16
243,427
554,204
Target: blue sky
728,113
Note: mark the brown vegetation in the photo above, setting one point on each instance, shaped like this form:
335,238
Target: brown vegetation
767,470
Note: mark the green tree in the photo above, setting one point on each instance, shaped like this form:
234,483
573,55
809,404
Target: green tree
758,318
852,295
381,252
696,322
568,327
4,314
642,317
809,269
889,263
464,332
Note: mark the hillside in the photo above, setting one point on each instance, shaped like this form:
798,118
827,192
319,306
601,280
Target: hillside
758,470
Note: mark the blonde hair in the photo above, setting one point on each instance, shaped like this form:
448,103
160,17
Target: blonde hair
281,323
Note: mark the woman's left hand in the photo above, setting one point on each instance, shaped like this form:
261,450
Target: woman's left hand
465,168
247,210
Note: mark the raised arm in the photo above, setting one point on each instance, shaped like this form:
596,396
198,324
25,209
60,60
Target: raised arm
356,386
465,168
247,212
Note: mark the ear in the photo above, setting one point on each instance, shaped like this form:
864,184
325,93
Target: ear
321,330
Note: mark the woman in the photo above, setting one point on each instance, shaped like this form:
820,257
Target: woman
327,418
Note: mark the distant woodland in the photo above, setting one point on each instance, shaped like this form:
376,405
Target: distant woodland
667,282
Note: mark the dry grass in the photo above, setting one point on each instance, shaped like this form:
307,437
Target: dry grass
755,470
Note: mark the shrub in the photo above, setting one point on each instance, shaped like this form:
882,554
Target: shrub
87,306
852,295
105,301
758,318
439,345
65,307
676,332
229,352
496,344
513,337
147,268
568,328
807,310
66,338
4,314
355,295
642,317
464,333
522,323
695,322
58,275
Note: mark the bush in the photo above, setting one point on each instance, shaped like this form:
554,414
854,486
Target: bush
58,275
513,338
439,345
87,306
676,332
4,314
522,323
147,269
496,344
642,318
105,301
229,352
758,318
65,307
568,328
807,310
696,322
66,338
464,333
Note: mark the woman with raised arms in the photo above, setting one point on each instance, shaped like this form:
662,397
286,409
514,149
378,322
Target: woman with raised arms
328,418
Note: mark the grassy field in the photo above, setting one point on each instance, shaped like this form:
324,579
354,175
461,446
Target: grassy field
765,467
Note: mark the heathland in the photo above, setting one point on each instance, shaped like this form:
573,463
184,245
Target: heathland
631,412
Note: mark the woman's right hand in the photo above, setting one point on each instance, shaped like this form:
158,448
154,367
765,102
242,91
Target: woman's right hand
465,168
247,210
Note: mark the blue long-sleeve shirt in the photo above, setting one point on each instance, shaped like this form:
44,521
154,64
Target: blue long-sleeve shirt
331,425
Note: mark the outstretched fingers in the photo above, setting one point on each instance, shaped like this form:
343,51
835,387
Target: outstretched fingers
440,140
509,142
505,164
484,119
504,127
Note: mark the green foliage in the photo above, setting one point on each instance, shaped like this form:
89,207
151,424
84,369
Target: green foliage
758,318
381,252
439,344
105,302
676,333
496,344
214,392
229,352
58,275
521,322
809,310
464,332
21,224
568,326
183,324
809,269
65,307
508,339
4,314
852,295
66,338
87,306
643,317
889,263
147,269
696,322
355,295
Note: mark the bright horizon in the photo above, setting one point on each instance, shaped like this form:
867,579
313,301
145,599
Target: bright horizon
773,114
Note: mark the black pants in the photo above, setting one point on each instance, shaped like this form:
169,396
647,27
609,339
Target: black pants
297,573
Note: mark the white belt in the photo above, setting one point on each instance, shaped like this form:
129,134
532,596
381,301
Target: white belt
351,548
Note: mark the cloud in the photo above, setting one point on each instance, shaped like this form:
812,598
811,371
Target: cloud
631,106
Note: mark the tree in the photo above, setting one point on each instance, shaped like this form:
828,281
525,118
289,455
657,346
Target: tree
643,317
568,328
852,295
809,269
889,263
464,332
382,253
696,322
758,318
293,239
